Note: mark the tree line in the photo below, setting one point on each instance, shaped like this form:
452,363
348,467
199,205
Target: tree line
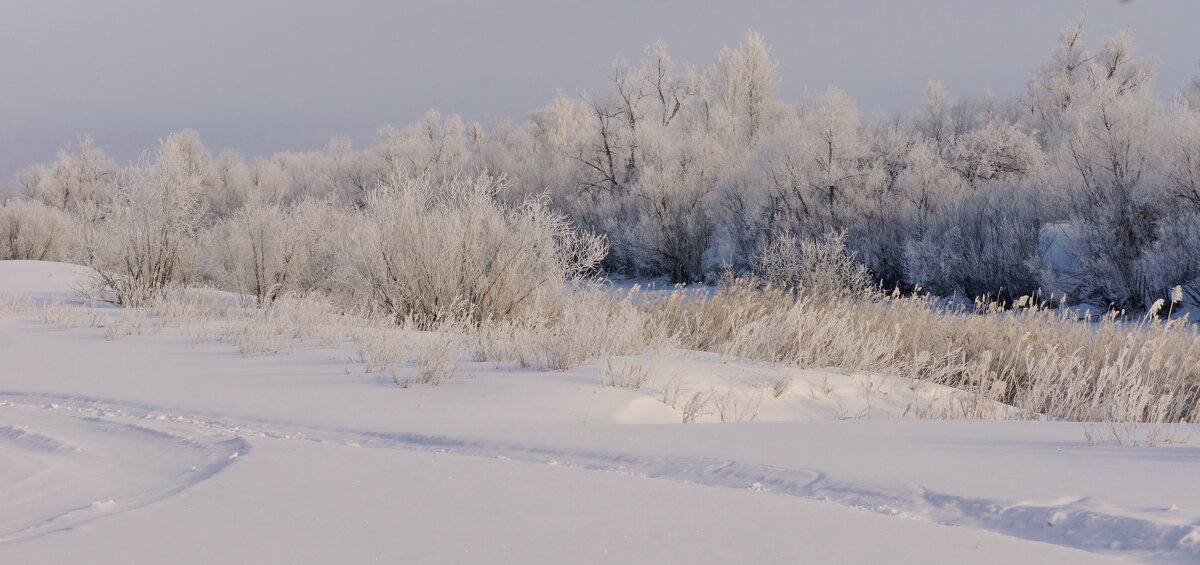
1087,185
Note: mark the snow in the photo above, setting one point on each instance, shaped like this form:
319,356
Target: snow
42,281
165,448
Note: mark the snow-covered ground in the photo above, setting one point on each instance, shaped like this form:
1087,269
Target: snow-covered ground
166,447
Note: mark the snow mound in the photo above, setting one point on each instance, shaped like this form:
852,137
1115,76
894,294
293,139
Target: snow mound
703,387
43,281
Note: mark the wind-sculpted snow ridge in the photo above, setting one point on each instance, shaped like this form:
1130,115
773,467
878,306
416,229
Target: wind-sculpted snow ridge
1082,523
92,465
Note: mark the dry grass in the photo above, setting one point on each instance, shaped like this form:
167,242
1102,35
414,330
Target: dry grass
12,304
66,316
1047,362
288,321
378,349
564,330
130,321
181,307
632,372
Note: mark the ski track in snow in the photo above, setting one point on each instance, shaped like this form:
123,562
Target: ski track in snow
218,440
44,470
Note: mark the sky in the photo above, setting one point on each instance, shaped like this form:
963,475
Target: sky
264,76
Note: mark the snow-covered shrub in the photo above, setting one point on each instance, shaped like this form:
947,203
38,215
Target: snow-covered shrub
379,349
131,321
265,250
34,231
1172,261
288,320
259,336
632,371
813,266
436,359
444,249
998,151
1173,258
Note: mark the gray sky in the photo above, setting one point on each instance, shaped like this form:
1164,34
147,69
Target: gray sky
265,76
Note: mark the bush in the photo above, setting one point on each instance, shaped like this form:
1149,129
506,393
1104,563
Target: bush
266,250
812,266
34,231
428,250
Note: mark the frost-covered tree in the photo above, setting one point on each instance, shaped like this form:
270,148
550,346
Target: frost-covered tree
1105,162
673,208
1059,83
982,234
743,86
80,178
836,159
147,229
690,171
433,146
266,250
1191,93
1174,257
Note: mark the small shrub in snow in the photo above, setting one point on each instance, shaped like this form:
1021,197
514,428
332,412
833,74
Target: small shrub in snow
10,304
630,371
289,318
733,405
436,359
781,387
182,307
130,321
814,266
66,316
696,406
379,349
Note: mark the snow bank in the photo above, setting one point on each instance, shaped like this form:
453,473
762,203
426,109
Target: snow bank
42,281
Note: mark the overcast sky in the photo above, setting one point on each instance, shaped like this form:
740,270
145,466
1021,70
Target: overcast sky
269,76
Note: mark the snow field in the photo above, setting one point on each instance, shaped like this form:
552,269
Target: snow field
170,442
